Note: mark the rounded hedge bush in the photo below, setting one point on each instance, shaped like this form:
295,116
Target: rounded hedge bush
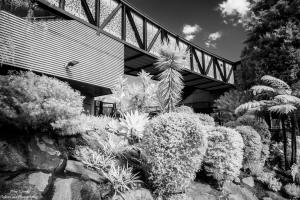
252,142
224,156
174,145
261,128
206,119
32,102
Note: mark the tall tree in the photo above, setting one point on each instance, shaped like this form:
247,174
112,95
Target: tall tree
273,42
170,63
275,96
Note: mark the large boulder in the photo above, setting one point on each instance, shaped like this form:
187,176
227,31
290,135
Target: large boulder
37,153
77,168
75,189
26,186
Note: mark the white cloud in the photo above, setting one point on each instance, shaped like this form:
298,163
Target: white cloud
234,10
212,38
234,7
189,37
190,31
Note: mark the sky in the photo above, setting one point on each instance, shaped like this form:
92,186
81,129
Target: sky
215,25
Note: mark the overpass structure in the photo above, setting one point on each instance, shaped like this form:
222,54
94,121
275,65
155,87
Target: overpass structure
102,39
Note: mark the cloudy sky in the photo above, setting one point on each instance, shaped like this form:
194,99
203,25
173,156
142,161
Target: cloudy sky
212,24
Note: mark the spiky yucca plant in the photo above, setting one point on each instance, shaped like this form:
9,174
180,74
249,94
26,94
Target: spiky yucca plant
275,96
170,62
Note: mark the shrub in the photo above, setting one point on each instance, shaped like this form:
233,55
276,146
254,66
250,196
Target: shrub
253,145
262,129
32,102
206,119
174,145
81,124
228,102
292,190
268,179
224,156
184,109
133,124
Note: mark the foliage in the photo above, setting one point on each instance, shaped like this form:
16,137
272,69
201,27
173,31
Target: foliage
184,109
97,160
228,102
261,128
256,168
170,63
278,100
182,196
268,178
174,145
122,179
205,119
224,156
292,190
253,145
273,40
130,97
133,124
81,124
32,102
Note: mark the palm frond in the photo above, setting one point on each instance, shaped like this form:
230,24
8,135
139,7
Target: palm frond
287,99
257,89
275,82
282,109
249,106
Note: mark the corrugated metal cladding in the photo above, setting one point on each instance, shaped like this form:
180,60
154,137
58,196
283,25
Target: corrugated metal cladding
47,46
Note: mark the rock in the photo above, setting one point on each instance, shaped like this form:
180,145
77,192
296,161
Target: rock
79,169
267,198
274,196
179,197
74,189
43,155
236,192
248,181
26,186
39,180
200,191
12,157
140,194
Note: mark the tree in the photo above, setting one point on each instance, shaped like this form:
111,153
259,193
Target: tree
273,41
275,96
170,62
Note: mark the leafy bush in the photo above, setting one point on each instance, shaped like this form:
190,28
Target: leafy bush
122,179
206,119
81,124
262,129
32,102
184,109
133,124
130,97
253,145
269,179
228,102
292,190
174,145
224,156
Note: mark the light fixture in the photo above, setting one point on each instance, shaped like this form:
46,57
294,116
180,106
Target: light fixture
71,64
